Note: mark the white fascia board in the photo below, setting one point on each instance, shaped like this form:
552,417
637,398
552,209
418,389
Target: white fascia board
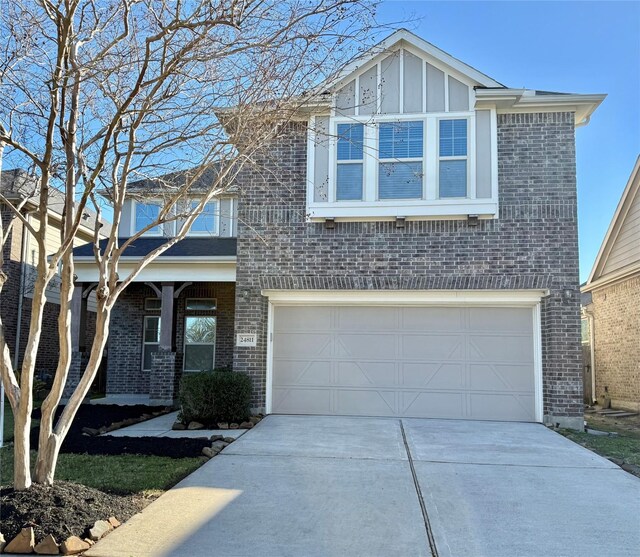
195,271
616,222
354,211
508,101
611,278
413,40
488,298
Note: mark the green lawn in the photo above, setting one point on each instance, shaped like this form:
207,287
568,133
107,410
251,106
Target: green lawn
624,446
122,474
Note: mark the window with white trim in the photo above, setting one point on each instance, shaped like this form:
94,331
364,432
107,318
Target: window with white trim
206,223
400,166
350,162
150,339
452,158
147,214
403,138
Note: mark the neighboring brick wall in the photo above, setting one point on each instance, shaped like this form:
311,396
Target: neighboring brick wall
532,245
616,313
124,361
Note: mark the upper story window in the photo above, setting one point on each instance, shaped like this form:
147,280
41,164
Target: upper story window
452,158
145,215
350,160
206,223
400,155
403,139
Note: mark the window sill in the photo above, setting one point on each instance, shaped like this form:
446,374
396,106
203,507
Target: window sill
441,208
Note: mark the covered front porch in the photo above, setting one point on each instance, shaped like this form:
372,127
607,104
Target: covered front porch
176,317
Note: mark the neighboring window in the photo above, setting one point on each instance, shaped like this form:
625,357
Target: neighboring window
199,343
452,158
205,222
152,304
200,304
150,339
400,155
147,214
350,162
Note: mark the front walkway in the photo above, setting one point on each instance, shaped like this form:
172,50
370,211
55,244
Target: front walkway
161,427
334,487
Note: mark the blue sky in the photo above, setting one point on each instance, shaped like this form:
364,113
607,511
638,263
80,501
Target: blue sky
572,47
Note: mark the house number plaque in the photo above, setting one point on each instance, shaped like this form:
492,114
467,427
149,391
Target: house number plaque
246,339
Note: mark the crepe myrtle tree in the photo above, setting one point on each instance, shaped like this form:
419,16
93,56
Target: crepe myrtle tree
99,98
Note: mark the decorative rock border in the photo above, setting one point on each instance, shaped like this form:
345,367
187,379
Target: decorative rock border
192,426
219,442
24,543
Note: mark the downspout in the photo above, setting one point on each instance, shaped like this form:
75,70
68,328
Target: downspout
592,354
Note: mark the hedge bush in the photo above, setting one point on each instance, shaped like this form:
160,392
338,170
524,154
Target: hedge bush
214,396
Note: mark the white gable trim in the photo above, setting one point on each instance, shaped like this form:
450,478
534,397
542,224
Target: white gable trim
440,58
630,191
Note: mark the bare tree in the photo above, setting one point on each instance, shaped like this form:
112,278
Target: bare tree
97,94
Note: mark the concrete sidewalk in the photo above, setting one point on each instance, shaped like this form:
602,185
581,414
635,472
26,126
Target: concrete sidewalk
161,427
337,487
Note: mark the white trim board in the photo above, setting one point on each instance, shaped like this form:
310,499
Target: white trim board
406,297
481,298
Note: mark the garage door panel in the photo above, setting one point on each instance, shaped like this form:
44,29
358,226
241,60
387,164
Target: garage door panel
433,375
491,377
435,320
500,320
291,319
303,345
302,401
369,374
366,402
501,348
433,404
437,362
373,346
367,318
507,407
304,372
432,347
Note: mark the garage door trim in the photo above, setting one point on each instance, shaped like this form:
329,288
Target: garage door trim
504,298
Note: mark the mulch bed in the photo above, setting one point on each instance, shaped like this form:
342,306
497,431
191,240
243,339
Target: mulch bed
96,416
64,509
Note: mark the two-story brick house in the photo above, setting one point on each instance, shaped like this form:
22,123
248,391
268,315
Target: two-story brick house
414,254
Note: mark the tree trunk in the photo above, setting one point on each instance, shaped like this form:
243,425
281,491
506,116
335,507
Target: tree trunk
22,445
48,452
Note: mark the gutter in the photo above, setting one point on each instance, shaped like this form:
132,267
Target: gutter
592,353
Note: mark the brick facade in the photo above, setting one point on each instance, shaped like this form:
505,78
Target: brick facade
533,244
616,318
124,348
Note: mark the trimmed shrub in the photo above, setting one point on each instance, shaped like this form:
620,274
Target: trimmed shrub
214,396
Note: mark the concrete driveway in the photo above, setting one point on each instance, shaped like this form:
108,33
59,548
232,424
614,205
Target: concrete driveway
347,487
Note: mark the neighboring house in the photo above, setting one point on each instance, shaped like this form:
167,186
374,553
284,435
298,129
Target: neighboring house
611,305
20,257
415,254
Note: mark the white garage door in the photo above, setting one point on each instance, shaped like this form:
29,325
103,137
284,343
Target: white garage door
431,362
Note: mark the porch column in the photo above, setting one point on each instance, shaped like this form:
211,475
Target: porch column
166,317
78,320
78,334
163,362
